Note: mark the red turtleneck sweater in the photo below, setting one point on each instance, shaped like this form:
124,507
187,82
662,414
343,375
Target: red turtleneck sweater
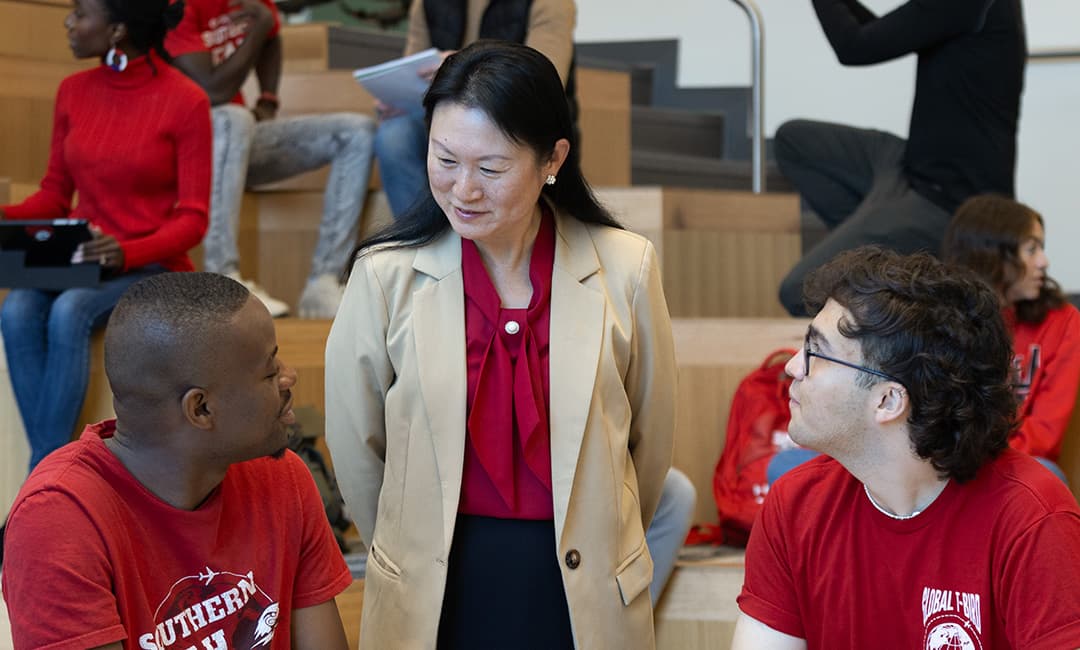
136,146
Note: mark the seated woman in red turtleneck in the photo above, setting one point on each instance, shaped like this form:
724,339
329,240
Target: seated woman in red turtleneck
132,138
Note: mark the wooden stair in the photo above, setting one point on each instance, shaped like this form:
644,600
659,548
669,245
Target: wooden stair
723,252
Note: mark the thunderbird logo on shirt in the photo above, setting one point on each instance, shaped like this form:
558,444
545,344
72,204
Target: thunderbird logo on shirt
952,620
214,610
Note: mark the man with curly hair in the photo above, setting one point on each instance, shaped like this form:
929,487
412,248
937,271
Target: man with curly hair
918,526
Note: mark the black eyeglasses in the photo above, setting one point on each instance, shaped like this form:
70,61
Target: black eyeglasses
807,353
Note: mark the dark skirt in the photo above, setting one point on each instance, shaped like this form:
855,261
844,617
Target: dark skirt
503,587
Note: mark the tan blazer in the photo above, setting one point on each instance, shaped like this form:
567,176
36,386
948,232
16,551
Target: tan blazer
395,424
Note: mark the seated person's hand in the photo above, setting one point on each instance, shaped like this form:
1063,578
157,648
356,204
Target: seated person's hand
103,249
386,111
429,73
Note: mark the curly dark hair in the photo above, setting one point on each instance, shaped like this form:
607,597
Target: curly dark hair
985,235
937,329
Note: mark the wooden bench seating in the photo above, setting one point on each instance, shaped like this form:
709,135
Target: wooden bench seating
723,252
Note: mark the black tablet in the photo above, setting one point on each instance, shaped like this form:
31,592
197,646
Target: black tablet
46,242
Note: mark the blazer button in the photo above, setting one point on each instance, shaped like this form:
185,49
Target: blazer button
573,558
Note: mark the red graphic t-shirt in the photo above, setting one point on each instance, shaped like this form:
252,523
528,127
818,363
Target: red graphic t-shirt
1047,360
208,26
988,565
93,557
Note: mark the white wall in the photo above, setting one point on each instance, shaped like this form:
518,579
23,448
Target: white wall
803,79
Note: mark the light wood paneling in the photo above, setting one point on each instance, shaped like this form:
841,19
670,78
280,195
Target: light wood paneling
98,404
27,96
698,609
302,346
19,191
288,224
306,47
14,450
723,252
713,357
604,119
1069,461
327,91
351,605
34,31
726,252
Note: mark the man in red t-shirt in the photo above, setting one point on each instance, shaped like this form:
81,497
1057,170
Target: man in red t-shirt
218,43
923,529
185,522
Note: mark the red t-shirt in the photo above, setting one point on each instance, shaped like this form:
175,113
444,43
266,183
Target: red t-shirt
92,557
1047,356
991,563
136,146
207,26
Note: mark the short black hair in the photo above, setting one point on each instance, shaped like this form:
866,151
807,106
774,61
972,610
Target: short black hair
938,330
165,315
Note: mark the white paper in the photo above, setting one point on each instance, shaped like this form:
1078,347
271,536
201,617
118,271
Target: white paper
398,83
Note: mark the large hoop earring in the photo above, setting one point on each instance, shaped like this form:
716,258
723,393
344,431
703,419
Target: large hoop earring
116,59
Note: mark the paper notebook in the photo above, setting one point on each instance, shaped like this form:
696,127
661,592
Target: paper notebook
398,83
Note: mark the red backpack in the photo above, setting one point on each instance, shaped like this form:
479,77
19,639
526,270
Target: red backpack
756,430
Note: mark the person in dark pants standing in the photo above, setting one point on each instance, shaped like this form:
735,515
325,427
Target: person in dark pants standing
871,187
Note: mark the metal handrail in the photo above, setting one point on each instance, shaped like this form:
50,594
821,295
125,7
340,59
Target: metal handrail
757,94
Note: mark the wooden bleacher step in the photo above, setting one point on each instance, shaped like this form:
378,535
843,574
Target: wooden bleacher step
723,253
677,131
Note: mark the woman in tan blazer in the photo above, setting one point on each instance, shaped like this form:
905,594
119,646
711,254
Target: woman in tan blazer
503,462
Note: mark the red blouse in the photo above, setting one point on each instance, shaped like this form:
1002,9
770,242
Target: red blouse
507,470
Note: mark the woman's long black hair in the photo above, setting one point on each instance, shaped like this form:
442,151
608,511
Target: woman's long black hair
520,90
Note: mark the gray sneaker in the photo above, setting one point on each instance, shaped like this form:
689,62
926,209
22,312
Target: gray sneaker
321,297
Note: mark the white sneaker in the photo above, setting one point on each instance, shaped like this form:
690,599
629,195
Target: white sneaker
277,308
321,297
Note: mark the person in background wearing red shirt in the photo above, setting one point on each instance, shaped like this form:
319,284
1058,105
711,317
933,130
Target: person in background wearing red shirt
918,526
1003,241
132,138
218,44
185,522
500,385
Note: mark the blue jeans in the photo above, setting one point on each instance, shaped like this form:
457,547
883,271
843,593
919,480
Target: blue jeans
401,148
47,342
787,460
249,153
1053,467
668,529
